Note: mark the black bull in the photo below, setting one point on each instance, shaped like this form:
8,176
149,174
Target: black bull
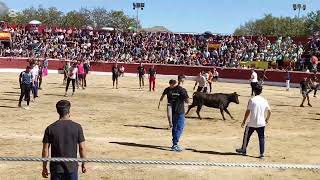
218,100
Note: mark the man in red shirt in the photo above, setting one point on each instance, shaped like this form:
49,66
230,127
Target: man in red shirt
152,78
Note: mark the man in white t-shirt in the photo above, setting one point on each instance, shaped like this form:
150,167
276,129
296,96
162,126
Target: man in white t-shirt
203,85
257,107
73,71
35,76
253,81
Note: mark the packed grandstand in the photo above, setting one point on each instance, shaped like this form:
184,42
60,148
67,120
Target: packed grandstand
205,49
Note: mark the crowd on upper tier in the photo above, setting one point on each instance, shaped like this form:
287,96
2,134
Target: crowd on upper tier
155,47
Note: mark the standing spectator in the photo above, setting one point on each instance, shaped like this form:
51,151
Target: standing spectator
115,75
35,76
122,71
86,67
257,106
253,81
178,97
141,73
152,78
73,71
25,81
181,78
288,78
66,69
63,137
304,85
43,71
210,78
81,73
263,76
40,75
168,92
314,61
314,84
215,75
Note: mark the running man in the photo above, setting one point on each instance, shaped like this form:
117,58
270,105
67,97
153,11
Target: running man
253,81
25,81
201,80
152,78
304,85
141,72
257,106
115,75
73,71
168,92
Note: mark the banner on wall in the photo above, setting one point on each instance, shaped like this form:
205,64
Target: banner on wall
5,36
255,64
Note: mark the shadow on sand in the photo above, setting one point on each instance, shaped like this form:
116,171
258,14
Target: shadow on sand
163,148
148,127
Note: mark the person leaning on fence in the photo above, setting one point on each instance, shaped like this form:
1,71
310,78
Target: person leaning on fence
63,137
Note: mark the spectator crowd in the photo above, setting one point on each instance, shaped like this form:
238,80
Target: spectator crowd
154,47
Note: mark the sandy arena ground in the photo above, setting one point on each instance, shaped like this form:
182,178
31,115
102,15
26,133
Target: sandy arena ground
126,124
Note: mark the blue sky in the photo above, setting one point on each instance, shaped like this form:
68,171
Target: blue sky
184,15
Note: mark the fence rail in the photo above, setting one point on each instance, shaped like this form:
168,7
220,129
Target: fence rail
169,162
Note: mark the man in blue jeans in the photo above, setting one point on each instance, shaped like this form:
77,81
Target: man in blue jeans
257,106
63,137
177,97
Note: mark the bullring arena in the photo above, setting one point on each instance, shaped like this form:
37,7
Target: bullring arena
126,124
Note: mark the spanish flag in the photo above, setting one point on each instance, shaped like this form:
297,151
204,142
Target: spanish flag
213,45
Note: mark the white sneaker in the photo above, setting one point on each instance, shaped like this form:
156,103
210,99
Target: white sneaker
26,108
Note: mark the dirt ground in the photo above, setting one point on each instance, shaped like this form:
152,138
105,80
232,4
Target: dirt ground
126,124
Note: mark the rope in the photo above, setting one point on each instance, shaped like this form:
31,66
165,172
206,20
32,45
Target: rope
171,163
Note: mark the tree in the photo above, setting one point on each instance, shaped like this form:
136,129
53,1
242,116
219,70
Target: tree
275,26
73,19
313,22
97,17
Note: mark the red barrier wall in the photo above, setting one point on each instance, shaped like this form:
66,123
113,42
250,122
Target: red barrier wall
231,73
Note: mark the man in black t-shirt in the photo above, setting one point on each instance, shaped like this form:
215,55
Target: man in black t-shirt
141,73
25,81
152,78
115,75
86,67
168,92
304,91
63,137
178,96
